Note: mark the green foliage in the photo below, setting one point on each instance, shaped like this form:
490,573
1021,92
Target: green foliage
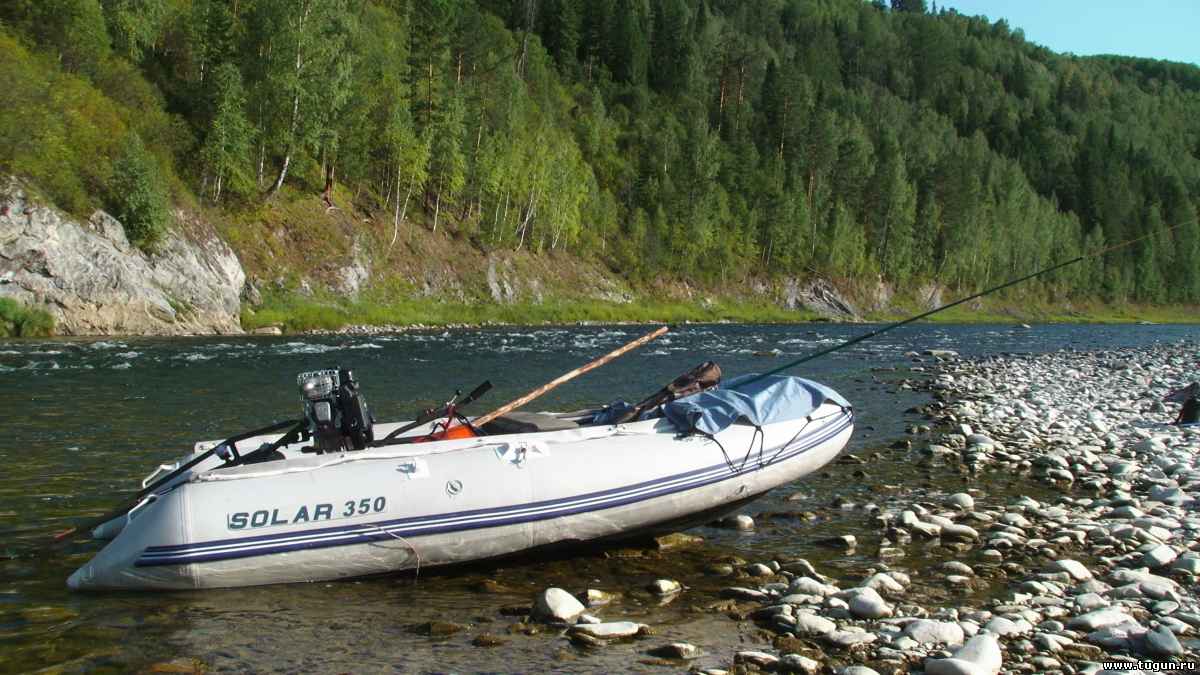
138,194
73,31
702,140
17,320
296,313
226,147
55,128
134,25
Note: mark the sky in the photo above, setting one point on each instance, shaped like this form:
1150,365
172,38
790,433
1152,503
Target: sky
1156,29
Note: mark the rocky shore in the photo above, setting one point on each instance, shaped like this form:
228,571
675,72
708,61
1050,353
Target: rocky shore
93,281
1093,568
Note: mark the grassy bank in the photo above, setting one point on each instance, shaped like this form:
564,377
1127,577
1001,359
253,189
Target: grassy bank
17,320
296,313
1011,311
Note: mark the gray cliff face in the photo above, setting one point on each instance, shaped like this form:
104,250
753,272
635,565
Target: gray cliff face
95,282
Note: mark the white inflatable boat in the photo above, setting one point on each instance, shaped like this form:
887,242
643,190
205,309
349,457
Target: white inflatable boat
299,514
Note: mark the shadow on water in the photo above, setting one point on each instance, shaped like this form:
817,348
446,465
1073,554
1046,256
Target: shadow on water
84,421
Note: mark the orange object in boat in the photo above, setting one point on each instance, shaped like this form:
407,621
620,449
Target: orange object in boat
453,433
460,431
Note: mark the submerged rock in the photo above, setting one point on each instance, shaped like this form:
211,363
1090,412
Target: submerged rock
613,630
664,587
676,650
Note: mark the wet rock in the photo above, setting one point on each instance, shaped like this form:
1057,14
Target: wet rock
612,630
741,593
488,640
979,656
48,614
664,587
857,670
956,567
439,628
844,542
959,532
182,665
760,659
556,605
941,353
1162,642
759,570
962,501
675,540
740,522
677,650
798,663
593,597
491,586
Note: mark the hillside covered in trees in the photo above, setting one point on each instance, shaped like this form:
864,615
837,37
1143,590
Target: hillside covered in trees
689,139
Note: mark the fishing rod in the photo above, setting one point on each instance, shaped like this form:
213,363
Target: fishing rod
905,322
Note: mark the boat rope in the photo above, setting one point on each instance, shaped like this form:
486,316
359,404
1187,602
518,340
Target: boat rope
762,441
807,421
880,331
402,540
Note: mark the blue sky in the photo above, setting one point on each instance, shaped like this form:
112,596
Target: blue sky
1157,29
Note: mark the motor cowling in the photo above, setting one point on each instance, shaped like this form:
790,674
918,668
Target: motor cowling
336,411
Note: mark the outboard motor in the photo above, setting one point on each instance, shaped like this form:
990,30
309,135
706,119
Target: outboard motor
337,414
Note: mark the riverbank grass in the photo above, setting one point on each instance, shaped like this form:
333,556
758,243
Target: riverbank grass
1015,311
17,320
295,313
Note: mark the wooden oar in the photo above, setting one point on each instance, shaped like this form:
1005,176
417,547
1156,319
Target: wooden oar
513,405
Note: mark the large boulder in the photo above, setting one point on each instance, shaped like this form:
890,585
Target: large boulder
94,282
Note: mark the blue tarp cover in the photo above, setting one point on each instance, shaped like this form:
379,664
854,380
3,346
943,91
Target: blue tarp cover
776,398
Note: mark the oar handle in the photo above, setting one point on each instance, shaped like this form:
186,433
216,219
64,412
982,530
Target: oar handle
513,405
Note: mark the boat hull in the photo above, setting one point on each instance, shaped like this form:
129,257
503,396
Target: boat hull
369,512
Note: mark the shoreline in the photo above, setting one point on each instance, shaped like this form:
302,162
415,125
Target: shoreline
1102,570
1188,319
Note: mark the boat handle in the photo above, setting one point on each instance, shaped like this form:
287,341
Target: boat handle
133,513
162,468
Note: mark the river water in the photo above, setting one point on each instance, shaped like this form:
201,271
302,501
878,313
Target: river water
84,421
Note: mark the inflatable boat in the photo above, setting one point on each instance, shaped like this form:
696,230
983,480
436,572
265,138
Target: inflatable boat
329,501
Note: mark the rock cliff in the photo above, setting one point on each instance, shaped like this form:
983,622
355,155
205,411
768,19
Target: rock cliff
94,282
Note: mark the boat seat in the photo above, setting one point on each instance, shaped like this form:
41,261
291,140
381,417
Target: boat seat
527,423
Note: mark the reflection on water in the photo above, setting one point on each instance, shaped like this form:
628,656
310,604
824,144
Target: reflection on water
84,421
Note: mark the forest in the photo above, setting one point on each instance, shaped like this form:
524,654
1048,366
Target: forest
690,139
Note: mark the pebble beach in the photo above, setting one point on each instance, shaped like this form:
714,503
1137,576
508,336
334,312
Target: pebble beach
1092,569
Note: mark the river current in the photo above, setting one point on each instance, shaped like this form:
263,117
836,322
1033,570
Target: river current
84,421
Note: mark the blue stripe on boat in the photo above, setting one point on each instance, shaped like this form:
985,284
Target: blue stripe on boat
244,547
